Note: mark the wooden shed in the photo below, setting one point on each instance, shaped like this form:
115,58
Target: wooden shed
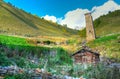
86,56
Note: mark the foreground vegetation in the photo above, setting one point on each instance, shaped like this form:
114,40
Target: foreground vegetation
100,71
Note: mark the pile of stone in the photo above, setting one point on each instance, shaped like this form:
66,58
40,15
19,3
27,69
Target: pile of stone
117,65
36,73
10,70
42,74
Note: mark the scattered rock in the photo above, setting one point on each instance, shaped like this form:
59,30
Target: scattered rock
115,65
38,70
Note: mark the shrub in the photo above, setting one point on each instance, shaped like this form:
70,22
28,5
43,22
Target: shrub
4,60
19,76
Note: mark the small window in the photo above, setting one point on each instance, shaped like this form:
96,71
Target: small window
89,31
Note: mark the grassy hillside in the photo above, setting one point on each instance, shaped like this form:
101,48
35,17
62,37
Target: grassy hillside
108,46
106,24
17,22
10,40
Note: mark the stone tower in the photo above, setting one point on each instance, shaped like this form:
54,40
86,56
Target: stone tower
90,32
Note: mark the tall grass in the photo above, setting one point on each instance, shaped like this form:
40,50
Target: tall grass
102,72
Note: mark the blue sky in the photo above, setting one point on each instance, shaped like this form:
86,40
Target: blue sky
55,7
61,10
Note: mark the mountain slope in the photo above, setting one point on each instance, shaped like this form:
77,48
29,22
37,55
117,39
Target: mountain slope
18,22
108,24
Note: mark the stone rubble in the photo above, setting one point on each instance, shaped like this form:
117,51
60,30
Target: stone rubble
36,73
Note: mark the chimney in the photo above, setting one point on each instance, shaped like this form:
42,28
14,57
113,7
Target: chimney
90,31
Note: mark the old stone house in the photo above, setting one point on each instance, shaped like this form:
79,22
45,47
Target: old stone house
86,56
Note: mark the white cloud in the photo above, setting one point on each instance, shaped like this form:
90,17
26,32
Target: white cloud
76,19
104,9
51,18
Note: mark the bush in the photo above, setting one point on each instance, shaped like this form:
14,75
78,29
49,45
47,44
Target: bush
19,76
4,60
